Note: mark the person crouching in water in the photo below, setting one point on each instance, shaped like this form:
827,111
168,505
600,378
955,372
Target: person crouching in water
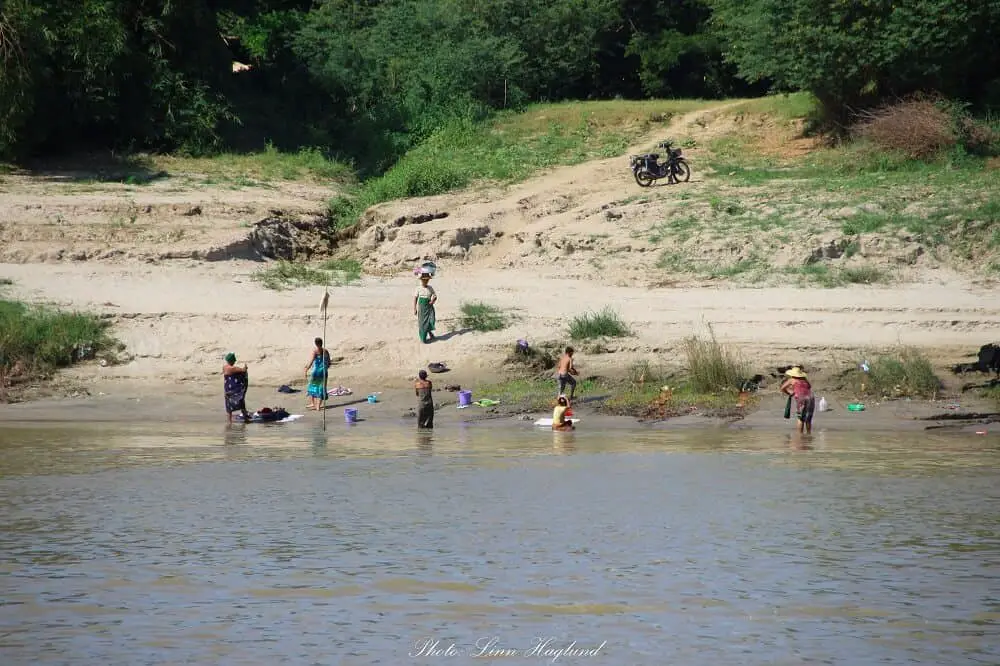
559,420
425,401
797,385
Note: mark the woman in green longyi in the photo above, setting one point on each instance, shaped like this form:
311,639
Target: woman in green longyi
423,308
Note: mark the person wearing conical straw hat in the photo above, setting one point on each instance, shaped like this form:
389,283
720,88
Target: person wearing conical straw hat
797,386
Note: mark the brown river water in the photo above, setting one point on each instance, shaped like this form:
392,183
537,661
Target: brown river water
495,543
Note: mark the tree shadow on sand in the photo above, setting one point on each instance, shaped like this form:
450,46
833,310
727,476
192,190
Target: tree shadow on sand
451,334
355,401
94,168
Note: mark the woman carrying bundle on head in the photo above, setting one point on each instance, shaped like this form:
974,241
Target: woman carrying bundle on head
423,308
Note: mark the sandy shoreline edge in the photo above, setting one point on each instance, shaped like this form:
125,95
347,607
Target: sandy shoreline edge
394,410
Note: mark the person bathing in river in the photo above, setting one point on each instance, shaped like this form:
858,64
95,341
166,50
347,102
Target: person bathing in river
559,420
423,308
317,372
566,373
425,400
798,387
235,381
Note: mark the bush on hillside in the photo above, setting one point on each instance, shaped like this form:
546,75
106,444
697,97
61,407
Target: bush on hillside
923,127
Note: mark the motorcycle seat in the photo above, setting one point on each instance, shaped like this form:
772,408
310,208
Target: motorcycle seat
651,156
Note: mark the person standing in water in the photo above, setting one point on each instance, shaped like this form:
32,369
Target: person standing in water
566,373
317,372
423,308
235,381
798,387
425,401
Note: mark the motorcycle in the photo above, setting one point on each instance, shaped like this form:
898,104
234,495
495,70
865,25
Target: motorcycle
647,168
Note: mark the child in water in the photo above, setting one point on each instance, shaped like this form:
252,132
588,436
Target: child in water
559,420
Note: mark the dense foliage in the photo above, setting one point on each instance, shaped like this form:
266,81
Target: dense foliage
366,79
851,54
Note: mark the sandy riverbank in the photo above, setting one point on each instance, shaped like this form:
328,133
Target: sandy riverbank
162,263
124,402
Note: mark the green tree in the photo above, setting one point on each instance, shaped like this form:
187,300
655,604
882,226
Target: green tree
853,53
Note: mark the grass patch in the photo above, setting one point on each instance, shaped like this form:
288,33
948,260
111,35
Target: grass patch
993,394
537,394
824,275
726,206
865,223
675,228
267,165
648,392
756,266
288,275
792,106
35,340
896,374
675,262
510,147
346,271
714,367
863,275
606,323
482,317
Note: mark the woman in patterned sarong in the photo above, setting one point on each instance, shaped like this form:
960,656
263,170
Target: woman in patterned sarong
317,370
235,384
423,308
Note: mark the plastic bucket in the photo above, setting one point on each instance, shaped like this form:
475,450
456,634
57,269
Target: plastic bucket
351,415
464,398
372,399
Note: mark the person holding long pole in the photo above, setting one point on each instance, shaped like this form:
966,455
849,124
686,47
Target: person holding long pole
316,371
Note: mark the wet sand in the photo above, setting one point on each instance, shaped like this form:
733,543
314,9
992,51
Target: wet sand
396,408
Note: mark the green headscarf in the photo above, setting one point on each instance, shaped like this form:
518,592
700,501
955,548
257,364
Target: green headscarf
230,358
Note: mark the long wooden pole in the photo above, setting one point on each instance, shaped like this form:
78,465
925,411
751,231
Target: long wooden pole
326,368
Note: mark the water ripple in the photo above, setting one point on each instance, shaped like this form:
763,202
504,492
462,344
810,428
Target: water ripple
124,546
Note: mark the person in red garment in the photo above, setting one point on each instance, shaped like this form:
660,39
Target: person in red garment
797,386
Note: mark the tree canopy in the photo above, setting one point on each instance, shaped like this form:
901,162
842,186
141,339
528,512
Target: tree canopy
365,79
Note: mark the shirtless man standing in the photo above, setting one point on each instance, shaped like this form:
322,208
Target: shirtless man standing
565,373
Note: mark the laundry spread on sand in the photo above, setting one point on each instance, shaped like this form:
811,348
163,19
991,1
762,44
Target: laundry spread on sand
486,402
269,415
340,390
482,402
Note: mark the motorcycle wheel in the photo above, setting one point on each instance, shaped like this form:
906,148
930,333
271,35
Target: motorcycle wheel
681,172
643,177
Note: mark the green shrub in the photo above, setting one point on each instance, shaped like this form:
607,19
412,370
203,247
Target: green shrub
606,323
713,367
287,274
901,373
863,275
480,316
38,340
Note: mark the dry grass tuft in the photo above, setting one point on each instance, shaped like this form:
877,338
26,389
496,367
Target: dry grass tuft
918,127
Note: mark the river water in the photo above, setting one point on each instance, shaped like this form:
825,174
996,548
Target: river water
373,545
